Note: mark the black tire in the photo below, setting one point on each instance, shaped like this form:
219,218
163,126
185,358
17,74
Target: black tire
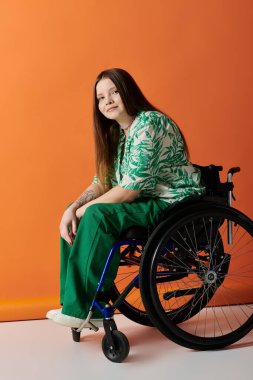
219,313
121,350
132,306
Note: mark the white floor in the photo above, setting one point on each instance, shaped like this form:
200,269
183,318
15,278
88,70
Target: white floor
42,350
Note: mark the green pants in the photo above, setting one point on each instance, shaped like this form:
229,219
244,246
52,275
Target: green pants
83,263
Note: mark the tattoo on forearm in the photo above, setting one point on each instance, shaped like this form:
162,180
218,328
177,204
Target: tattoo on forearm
86,197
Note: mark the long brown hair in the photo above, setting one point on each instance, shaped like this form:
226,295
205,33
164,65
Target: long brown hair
106,131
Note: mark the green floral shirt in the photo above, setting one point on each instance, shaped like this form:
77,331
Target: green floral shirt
154,160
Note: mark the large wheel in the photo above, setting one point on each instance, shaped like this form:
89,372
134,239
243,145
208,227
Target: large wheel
199,287
132,306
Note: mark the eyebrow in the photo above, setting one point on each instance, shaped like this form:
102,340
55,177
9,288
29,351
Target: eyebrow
111,88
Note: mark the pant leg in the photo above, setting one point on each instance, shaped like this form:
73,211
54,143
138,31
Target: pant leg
100,227
65,250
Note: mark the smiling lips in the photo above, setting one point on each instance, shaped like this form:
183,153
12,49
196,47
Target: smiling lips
111,109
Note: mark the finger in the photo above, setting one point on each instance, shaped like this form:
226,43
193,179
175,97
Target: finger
66,235
69,240
64,231
72,237
74,226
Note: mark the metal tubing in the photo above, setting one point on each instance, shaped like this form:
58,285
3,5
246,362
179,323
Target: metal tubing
229,223
114,248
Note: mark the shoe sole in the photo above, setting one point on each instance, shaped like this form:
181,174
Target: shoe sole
76,324
51,314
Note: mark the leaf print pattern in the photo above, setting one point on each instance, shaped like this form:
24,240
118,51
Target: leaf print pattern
155,161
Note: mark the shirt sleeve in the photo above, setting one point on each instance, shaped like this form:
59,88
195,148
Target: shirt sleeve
143,160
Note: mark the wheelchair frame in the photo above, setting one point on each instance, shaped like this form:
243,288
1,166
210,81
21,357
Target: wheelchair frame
115,344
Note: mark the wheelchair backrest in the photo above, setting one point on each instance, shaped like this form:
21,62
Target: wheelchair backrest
216,191
210,178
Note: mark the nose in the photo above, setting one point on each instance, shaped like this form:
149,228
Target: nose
108,99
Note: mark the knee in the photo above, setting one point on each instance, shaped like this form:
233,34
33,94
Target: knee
95,211
104,214
92,209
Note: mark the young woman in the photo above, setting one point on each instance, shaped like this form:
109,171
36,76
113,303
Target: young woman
142,168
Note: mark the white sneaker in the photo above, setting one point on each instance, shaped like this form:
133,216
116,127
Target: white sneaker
73,322
52,313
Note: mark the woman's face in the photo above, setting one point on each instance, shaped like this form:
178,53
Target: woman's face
109,100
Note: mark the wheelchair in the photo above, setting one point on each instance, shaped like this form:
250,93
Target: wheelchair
191,276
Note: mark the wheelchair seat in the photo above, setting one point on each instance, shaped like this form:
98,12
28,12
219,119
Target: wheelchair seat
136,232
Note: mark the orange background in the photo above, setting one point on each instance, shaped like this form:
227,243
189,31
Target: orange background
192,58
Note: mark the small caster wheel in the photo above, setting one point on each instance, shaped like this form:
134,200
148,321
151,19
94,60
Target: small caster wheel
75,335
121,350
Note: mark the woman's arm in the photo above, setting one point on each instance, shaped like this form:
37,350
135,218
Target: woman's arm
92,192
69,221
115,195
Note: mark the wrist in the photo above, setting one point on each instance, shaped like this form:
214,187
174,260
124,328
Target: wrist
79,213
74,206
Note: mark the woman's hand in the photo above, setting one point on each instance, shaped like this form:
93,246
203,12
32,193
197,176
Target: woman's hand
80,211
68,225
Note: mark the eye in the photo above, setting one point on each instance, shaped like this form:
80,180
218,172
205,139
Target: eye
100,98
115,92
